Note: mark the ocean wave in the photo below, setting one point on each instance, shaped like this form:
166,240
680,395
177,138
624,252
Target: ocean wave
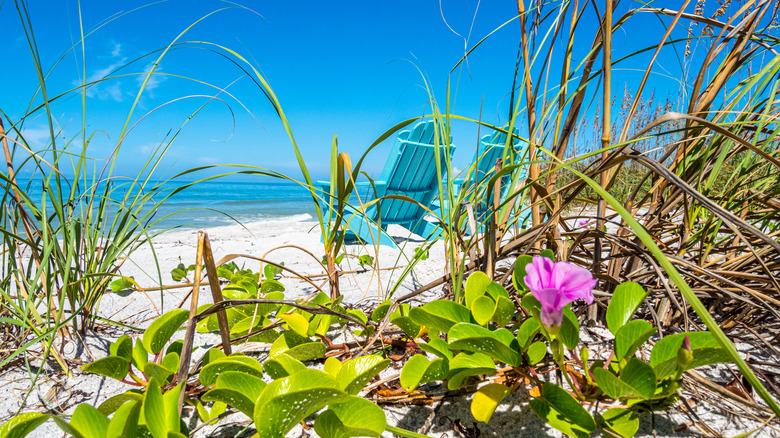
188,223
301,217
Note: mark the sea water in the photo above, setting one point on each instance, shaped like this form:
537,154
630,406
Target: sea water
203,205
210,204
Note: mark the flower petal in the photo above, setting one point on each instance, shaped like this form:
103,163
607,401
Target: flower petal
575,282
539,273
552,299
551,318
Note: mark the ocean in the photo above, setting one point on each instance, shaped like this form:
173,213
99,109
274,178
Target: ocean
213,203
216,203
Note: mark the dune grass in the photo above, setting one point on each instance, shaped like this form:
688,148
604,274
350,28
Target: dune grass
693,183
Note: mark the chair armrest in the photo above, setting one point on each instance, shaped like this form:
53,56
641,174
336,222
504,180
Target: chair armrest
380,186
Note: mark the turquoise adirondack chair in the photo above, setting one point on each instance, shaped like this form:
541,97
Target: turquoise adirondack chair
491,148
410,170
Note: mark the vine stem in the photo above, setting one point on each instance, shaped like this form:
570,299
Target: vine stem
559,359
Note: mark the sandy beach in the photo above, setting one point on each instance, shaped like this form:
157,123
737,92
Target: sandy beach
277,241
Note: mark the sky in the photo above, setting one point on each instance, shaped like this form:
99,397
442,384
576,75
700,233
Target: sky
352,69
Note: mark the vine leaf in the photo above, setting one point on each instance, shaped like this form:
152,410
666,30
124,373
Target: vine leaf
486,400
162,328
354,417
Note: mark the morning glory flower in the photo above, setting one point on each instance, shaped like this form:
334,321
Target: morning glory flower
557,284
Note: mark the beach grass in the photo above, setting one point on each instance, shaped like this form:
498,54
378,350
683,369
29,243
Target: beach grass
684,196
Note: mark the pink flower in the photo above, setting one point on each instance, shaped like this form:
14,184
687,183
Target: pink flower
557,284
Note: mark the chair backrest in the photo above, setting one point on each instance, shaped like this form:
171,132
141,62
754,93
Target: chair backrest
410,171
491,148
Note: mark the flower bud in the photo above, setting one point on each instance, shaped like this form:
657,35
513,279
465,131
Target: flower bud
684,355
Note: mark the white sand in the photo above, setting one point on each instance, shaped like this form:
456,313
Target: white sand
513,418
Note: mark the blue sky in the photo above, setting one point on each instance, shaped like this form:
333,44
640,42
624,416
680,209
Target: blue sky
349,68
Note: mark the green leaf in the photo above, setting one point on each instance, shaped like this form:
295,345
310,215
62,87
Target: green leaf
476,286
482,308
154,411
162,328
637,379
120,284
706,351
176,347
498,344
178,273
66,427
359,314
332,366
404,433
408,326
468,364
297,346
124,423
570,329
140,355
217,408
440,315
224,272
234,362
421,254
237,389
171,406
519,273
287,401
211,355
269,286
247,384
152,370
623,305
528,330
271,271
418,370
355,373
282,365
495,290
249,284
562,411
109,406
114,367
530,302
171,362
22,425
231,397
549,254
631,336
504,312
355,416
486,400
365,260
437,346
536,352
235,292
297,322
381,311
89,421
621,421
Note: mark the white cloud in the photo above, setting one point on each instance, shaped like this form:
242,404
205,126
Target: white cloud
108,89
154,81
36,138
